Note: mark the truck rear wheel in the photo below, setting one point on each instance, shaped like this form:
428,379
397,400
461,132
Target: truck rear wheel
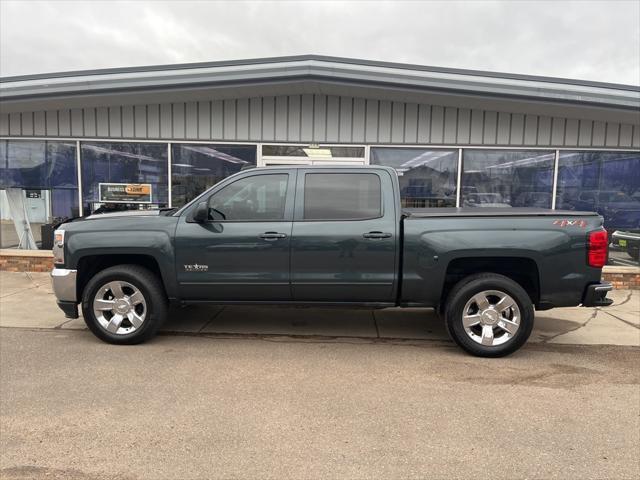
124,304
489,315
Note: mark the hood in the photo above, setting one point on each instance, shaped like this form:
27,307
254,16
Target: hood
127,213
126,221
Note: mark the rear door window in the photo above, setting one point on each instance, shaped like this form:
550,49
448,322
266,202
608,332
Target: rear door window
342,196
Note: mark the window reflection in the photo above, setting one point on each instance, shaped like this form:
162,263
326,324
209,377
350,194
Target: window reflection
38,190
123,163
503,178
312,151
254,198
40,178
607,183
195,168
342,196
427,177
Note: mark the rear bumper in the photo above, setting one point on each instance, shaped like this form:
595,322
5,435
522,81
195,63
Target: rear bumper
596,295
64,288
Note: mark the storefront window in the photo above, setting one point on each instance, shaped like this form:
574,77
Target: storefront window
312,151
123,176
196,167
507,178
427,177
607,183
38,190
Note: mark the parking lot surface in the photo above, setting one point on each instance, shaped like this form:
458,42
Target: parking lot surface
309,393
196,407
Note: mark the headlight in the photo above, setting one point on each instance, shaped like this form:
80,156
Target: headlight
58,247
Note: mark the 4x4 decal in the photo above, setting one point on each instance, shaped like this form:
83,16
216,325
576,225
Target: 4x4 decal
570,223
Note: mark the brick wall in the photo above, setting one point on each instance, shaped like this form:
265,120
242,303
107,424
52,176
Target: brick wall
26,261
42,261
622,279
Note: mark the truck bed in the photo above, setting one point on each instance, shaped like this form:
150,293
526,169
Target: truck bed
490,212
552,243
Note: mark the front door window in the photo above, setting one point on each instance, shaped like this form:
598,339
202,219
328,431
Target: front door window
256,198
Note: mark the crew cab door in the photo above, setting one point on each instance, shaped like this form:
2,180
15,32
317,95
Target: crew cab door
345,236
241,252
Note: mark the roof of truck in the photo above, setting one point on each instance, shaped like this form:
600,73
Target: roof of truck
331,166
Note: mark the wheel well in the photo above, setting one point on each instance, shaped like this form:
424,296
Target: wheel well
91,264
523,271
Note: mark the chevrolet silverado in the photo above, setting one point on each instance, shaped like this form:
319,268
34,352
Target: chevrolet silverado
330,235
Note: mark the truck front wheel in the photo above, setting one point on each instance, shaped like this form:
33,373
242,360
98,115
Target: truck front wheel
489,315
124,304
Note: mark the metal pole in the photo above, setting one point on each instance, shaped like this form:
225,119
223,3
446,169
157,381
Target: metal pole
459,179
259,161
555,180
79,178
170,183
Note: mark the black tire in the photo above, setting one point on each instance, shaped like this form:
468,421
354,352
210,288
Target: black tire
465,290
152,290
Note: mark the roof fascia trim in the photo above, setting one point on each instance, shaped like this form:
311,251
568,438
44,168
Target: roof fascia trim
319,70
320,58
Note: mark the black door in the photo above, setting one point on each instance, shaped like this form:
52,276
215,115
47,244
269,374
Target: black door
242,252
344,236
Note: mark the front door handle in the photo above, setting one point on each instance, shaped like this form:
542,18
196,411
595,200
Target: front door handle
376,235
272,235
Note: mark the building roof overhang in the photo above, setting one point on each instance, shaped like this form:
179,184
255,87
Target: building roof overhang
322,75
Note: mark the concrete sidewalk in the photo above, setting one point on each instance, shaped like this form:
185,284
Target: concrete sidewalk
27,301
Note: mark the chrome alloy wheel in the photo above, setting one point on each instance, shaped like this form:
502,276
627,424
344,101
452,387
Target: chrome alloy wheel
491,318
119,307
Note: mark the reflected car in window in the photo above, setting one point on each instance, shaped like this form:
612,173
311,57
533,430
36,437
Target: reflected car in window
618,208
533,199
485,200
628,241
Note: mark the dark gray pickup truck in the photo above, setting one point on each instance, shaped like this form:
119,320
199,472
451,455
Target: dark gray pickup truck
330,236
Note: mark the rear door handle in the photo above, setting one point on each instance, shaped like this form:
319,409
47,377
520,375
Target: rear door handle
376,235
272,235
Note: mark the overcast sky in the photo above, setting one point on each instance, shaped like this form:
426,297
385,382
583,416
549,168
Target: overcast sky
590,40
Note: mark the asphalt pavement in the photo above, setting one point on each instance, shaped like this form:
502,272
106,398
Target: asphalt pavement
185,407
294,393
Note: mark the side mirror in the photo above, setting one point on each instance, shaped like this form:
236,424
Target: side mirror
201,214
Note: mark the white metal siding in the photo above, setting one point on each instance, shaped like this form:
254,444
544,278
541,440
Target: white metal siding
321,119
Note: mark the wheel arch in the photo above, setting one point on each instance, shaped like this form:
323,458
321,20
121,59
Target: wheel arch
89,265
522,270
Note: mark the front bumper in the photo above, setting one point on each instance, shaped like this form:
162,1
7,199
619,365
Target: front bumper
64,288
596,295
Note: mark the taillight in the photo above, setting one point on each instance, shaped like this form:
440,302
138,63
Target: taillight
598,248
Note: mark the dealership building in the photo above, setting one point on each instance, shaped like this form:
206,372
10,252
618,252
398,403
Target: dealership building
75,143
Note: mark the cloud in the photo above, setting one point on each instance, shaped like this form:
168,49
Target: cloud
594,40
